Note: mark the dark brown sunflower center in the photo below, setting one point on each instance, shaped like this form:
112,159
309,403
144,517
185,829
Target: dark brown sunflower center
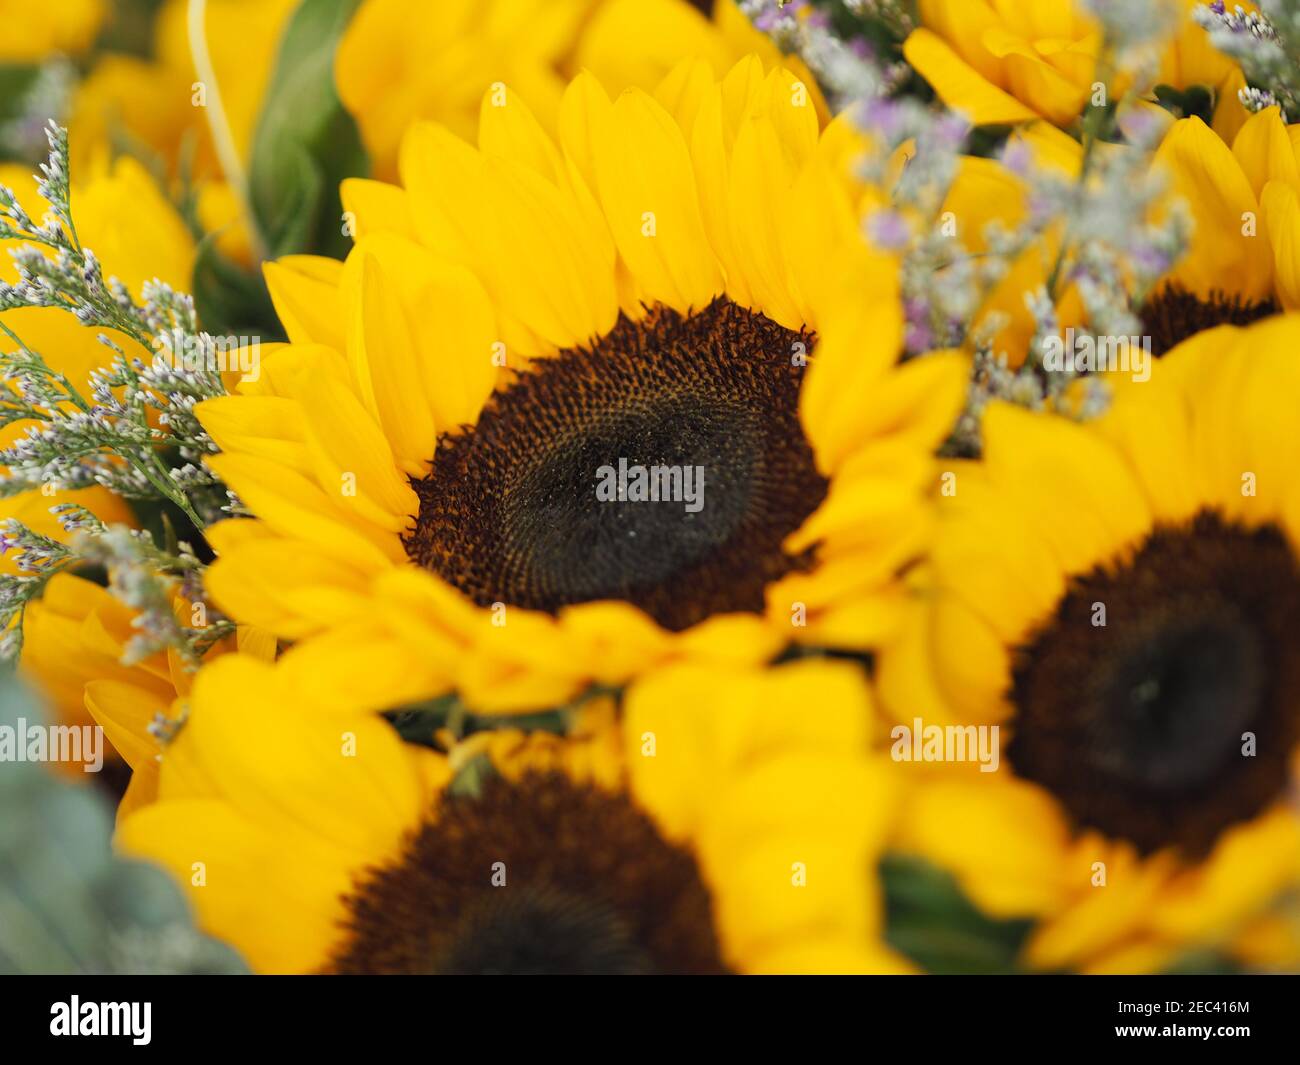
1161,704
663,466
541,876
1175,315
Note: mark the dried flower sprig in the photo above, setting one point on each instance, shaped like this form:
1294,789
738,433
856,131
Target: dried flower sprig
129,428
102,432
1109,249
1267,45
149,580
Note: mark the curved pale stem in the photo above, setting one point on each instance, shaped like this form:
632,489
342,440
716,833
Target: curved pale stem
218,124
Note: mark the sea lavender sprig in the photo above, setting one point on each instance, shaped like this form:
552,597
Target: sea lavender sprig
848,70
1110,251
895,18
1099,216
1266,44
114,429
129,428
37,558
149,580
858,77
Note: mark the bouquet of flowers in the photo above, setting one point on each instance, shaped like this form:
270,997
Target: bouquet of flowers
620,486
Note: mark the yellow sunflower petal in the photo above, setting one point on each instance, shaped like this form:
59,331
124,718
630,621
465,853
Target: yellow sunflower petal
959,85
267,426
351,457
304,289
1264,150
391,388
1084,499
377,207
288,925
1004,840
1206,173
296,507
345,784
1281,204
647,186
125,712
312,587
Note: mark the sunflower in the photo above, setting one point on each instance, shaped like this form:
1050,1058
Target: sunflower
320,842
1014,62
1120,598
76,639
1244,259
35,33
423,458
396,64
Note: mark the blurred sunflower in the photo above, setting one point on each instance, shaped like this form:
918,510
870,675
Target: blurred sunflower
385,74
397,64
1122,599
654,287
32,33
1011,61
323,843
1244,259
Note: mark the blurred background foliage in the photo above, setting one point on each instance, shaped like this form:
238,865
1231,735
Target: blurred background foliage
67,904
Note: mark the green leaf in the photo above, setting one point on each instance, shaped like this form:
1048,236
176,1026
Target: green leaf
16,82
130,27
929,919
418,722
67,904
306,143
1184,103
229,300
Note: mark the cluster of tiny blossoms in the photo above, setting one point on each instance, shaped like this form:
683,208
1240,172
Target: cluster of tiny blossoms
1100,217
1266,44
130,428
849,67
151,581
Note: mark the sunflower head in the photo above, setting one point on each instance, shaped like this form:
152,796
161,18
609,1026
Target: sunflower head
348,851
1130,628
573,409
